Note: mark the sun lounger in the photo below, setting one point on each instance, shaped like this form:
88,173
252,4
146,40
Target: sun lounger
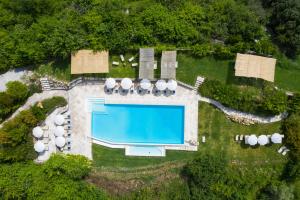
46,135
281,149
131,59
246,139
122,58
134,64
45,127
285,151
237,138
203,139
115,63
241,137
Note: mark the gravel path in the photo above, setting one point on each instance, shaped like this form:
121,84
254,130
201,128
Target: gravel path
12,75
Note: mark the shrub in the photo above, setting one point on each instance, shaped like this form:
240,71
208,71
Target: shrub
17,90
15,135
267,101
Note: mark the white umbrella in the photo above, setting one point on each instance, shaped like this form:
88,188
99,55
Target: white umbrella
276,138
172,85
59,119
126,83
145,84
39,147
252,140
37,132
60,141
161,85
110,83
262,140
59,131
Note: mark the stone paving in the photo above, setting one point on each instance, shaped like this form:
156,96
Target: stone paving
81,123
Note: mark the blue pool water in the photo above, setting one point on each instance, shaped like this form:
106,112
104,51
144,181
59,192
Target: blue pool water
145,124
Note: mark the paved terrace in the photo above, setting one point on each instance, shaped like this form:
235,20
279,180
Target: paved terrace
80,116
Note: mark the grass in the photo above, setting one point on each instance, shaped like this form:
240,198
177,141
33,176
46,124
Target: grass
119,174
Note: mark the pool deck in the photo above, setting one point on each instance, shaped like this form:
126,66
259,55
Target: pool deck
81,116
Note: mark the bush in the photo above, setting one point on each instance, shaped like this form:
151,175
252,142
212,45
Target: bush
32,181
16,142
267,101
17,90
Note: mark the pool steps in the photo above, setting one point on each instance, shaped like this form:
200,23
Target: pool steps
156,151
90,105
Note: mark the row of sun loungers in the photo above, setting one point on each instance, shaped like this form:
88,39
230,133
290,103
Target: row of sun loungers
283,150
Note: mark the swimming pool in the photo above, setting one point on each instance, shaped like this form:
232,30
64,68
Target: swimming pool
138,124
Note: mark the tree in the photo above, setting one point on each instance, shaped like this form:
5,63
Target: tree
17,90
285,23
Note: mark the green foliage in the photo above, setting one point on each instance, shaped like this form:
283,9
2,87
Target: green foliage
277,190
285,23
32,32
16,143
268,101
14,96
73,166
32,181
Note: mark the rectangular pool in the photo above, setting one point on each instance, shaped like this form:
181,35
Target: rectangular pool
144,124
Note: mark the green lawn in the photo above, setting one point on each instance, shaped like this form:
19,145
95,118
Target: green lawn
111,168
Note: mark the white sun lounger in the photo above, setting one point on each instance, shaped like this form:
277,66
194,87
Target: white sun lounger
115,63
285,151
281,149
241,137
131,59
203,139
246,139
134,64
237,138
122,58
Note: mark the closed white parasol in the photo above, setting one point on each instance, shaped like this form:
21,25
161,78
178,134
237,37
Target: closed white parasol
37,132
110,83
172,85
276,138
126,83
161,85
59,120
252,140
39,147
59,131
262,140
60,141
145,84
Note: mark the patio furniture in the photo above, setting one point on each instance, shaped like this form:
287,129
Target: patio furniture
262,140
39,147
246,139
241,137
59,131
134,64
276,138
203,139
237,138
252,140
172,85
45,127
285,151
126,83
122,58
37,132
115,63
110,83
59,120
161,85
281,149
60,142
131,59
146,63
46,135
168,65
